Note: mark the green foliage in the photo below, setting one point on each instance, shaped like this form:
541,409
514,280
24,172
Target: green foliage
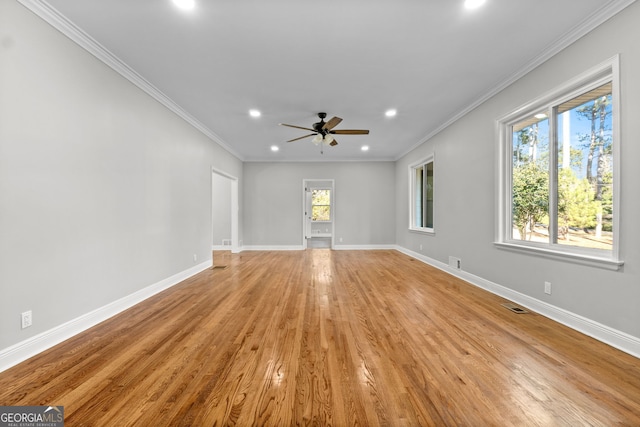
530,196
576,205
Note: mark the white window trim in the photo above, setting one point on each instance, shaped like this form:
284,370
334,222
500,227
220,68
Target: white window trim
608,70
426,230
330,204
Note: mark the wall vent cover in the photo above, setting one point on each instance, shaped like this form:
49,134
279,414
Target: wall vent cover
514,308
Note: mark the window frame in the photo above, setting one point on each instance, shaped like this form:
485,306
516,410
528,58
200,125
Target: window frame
412,194
330,205
608,71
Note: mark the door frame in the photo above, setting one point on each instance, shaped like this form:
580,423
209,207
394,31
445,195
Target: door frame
308,183
235,247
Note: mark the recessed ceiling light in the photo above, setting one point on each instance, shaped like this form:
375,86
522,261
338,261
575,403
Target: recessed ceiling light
275,148
473,4
391,113
540,116
254,113
185,4
365,148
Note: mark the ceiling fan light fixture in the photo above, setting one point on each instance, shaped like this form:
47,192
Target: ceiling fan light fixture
327,140
317,139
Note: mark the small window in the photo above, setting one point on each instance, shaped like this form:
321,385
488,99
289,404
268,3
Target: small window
321,205
421,200
560,169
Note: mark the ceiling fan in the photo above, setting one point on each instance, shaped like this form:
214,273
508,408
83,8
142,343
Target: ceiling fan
324,131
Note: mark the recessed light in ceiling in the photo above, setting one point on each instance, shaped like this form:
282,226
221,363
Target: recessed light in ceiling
473,4
540,116
365,148
185,4
391,113
254,113
275,148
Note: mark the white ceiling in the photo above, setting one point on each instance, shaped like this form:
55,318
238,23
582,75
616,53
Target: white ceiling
429,59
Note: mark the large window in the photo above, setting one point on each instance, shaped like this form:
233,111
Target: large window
559,171
421,197
321,205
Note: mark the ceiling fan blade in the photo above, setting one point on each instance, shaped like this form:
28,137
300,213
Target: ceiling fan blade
302,137
333,143
350,132
333,122
297,127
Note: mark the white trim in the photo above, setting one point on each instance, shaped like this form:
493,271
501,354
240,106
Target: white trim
613,337
606,71
364,247
54,18
592,22
235,209
272,248
22,351
430,158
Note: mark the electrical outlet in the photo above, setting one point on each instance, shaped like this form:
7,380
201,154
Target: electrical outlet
547,288
195,258
27,319
420,247
455,263
341,240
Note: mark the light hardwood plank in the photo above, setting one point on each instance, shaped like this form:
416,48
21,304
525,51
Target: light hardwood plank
322,337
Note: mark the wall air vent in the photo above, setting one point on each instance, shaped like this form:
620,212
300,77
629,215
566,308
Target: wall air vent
514,308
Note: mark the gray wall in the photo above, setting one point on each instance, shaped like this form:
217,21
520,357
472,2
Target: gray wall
103,191
273,202
466,181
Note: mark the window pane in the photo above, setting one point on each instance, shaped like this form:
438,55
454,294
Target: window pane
530,179
320,213
428,192
321,205
321,197
418,195
585,170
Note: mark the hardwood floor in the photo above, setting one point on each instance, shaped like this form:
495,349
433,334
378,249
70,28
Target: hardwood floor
322,337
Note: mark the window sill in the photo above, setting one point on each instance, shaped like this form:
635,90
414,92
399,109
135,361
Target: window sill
589,260
429,231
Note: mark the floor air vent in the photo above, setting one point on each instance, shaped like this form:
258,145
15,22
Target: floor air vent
515,308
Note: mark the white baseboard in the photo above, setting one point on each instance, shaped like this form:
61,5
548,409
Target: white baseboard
363,247
21,351
618,339
272,248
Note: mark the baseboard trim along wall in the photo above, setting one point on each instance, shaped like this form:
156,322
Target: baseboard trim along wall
618,339
22,351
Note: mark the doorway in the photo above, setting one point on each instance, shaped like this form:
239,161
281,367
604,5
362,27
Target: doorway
318,213
224,211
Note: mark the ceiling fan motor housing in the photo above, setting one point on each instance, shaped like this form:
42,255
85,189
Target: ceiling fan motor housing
318,126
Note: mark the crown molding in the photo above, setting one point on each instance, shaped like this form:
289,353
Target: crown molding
54,18
596,19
